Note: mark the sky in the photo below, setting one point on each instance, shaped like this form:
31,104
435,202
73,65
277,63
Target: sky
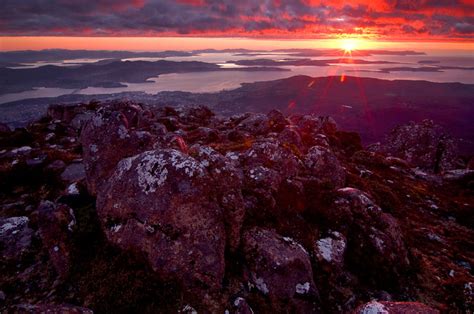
197,24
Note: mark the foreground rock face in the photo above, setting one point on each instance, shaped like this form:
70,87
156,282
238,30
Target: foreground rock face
142,209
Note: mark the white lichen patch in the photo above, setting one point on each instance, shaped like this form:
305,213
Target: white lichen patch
122,132
189,165
20,150
331,248
97,120
295,244
49,136
232,155
189,309
379,243
302,288
238,301
13,223
125,165
151,172
72,223
154,167
261,285
259,173
93,148
115,228
142,134
373,307
73,189
469,292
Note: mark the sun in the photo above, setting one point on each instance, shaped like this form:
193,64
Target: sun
349,44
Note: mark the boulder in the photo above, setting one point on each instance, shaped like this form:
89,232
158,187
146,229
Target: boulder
74,172
384,307
277,120
374,240
280,269
107,138
424,145
256,124
15,238
310,125
271,154
196,115
159,204
323,168
290,137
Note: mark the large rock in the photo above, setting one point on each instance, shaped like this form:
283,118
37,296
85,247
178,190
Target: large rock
227,181
74,172
160,204
266,165
310,125
15,238
277,120
375,244
280,269
109,137
383,307
323,168
272,154
424,145
256,124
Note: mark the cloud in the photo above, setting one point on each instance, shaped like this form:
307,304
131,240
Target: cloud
450,19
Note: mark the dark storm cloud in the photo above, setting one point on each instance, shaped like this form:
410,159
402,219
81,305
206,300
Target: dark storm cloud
448,18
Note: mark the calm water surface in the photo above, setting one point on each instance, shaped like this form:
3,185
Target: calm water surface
216,81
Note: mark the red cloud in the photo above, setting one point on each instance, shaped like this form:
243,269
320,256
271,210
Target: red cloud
400,19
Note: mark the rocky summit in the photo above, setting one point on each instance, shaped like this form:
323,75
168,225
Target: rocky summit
121,207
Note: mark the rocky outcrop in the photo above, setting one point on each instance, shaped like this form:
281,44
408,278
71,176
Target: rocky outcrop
424,145
138,208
